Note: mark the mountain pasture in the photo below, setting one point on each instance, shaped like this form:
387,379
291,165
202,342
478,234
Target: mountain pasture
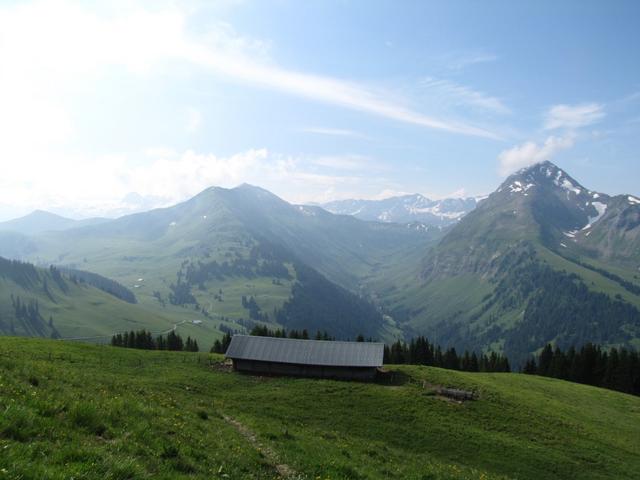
69,409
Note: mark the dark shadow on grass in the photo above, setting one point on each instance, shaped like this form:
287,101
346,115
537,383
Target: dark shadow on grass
392,378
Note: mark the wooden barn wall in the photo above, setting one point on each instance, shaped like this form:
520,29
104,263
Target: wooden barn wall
271,368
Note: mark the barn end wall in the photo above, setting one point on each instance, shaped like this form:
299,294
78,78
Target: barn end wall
295,370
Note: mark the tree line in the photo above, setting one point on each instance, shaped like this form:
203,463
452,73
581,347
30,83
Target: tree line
24,274
220,346
102,283
616,369
27,313
419,351
144,340
264,331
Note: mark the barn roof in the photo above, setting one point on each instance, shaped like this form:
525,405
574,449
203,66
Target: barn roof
306,352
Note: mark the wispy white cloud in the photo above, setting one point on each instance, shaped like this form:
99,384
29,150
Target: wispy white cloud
530,153
325,89
336,132
96,186
44,64
462,61
460,95
570,118
573,116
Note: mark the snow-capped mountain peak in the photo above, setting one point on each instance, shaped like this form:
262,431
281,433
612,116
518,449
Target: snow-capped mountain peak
406,209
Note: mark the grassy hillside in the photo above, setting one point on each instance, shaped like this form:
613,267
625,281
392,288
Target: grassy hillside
75,309
81,411
526,297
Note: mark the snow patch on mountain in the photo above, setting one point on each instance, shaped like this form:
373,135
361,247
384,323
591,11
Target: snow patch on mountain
406,209
561,179
567,185
601,208
517,186
633,200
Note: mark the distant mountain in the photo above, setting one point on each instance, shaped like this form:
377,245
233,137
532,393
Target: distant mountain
229,258
406,209
40,221
543,259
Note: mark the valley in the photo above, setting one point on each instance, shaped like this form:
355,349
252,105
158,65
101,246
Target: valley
541,260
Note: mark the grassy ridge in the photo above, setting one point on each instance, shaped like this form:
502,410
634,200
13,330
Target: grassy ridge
98,412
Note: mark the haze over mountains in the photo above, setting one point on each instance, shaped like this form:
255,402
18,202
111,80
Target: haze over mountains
541,259
406,209
40,221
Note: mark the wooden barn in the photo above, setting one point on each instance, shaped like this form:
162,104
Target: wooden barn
305,358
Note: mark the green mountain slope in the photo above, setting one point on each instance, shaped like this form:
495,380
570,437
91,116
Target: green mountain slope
197,260
48,303
74,410
521,271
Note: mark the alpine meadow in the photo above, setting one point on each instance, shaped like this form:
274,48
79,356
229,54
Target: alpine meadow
319,240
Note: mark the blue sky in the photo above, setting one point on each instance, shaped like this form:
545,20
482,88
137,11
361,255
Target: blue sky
314,100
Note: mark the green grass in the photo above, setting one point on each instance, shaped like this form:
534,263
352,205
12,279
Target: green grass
85,312
74,410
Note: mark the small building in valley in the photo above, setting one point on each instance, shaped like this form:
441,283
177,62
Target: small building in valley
305,358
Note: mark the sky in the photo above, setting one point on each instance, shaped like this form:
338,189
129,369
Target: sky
111,107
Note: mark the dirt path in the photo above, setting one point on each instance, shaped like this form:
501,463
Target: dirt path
283,469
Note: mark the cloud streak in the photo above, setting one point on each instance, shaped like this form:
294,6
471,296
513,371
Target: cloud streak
461,95
573,116
335,132
461,61
322,88
144,40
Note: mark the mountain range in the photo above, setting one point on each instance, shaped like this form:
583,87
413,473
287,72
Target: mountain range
228,258
40,221
406,209
541,259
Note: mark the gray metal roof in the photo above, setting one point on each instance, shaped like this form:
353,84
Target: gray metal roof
306,352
